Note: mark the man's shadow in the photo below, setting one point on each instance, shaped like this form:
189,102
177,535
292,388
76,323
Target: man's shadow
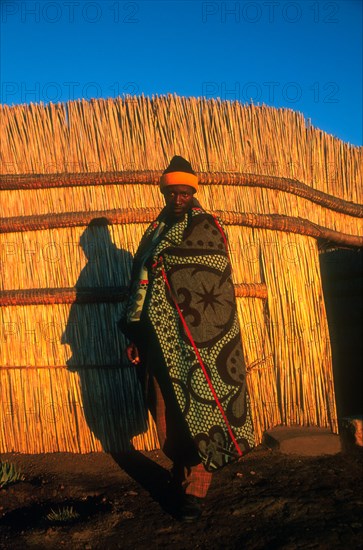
112,393
155,479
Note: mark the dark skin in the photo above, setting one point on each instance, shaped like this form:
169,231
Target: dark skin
178,200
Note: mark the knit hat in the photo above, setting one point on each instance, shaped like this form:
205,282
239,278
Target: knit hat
179,172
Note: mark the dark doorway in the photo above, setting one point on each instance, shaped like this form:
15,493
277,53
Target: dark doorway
342,277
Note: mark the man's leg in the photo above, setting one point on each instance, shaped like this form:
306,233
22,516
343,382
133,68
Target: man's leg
188,471
197,481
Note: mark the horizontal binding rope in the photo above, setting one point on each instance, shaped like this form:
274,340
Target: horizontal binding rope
50,296
289,224
288,185
97,295
275,222
251,290
75,219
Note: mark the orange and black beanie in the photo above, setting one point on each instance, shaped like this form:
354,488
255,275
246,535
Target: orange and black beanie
179,172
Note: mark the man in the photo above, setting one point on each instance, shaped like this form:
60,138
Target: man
182,321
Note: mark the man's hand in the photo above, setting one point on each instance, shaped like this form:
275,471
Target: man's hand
133,354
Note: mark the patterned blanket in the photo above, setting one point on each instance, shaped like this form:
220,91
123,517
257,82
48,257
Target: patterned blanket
189,301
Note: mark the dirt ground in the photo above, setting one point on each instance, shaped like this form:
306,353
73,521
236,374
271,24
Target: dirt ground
266,501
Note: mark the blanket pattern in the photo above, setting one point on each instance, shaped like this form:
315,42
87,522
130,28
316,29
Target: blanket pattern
191,306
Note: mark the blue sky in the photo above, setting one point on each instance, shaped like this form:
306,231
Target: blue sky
304,55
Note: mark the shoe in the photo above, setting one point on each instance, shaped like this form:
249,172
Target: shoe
190,508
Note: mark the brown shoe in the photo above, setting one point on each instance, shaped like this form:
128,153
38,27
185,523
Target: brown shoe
190,508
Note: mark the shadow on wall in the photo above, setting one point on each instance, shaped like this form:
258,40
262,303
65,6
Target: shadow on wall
112,391
342,272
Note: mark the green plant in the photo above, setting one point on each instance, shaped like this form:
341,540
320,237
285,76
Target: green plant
9,473
67,513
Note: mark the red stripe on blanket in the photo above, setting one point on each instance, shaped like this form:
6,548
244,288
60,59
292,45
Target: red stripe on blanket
202,365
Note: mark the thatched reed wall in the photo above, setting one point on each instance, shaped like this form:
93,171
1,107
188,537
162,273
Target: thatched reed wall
283,189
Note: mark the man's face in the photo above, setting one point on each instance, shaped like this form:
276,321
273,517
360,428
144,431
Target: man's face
178,200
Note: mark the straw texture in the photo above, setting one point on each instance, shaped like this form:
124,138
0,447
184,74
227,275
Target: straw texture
273,221
283,189
142,134
45,181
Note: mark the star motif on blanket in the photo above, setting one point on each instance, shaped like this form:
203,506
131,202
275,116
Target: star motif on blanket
208,298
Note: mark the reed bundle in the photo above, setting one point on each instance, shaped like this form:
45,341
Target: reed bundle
141,133
281,188
141,215
45,181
